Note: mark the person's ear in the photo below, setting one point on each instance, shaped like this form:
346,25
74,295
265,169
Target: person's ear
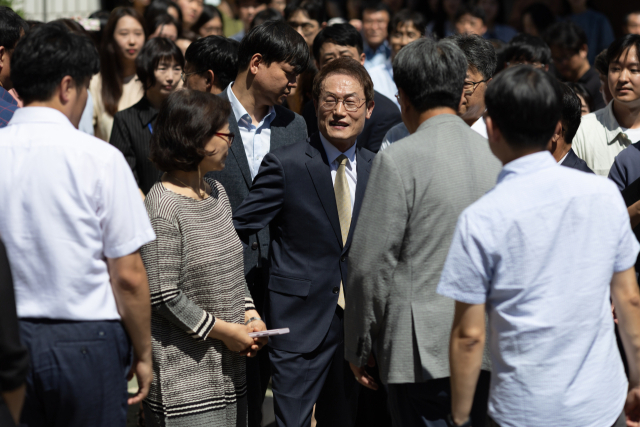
209,80
67,89
254,63
372,104
363,57
3,56
584,51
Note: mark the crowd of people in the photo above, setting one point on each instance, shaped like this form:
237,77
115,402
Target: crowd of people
440,205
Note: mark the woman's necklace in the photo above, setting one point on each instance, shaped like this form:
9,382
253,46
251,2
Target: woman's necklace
188,186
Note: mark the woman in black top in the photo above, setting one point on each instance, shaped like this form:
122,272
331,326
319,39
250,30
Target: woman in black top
159,67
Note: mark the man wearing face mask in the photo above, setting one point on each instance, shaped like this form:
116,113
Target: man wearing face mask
270,58
309,194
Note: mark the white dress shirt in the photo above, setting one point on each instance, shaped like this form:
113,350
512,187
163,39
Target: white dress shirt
382,78
481,127
255,139
546,286
351,170
69,201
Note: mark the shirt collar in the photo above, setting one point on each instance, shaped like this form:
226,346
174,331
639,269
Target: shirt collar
611,125
39,115
333,153
7,97
527,164
383,48
241,113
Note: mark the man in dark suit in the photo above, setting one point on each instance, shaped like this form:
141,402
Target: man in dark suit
270,58
560,143
309,194
343,40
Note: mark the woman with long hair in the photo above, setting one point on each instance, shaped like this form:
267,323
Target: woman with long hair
117,87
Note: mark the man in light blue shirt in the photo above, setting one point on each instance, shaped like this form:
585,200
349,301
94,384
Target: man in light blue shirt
375,20
544,260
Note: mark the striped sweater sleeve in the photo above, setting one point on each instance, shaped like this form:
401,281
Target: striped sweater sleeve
162,259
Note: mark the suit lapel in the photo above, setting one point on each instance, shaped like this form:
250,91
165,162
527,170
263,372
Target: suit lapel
363,168
146,113
318,167
237,147
278,131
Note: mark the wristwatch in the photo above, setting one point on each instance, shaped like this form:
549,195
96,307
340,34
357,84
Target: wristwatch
251,320
451,423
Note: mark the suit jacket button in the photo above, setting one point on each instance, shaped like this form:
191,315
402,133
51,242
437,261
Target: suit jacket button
254,245
336,290
343,259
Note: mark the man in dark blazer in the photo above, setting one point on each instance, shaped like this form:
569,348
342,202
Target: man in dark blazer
560,143
269,59
344,40
309,194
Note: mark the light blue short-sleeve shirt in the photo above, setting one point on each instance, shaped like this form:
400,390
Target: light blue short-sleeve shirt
540,250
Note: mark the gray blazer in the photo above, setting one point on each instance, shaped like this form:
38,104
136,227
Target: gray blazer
287,128
417,189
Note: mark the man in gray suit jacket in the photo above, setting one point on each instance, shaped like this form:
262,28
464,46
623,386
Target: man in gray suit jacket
270,58
416,191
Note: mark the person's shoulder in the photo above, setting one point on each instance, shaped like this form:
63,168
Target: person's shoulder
629,156
291,151
384,104
162,203
286,117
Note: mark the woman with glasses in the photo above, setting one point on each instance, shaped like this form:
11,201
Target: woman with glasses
159,67
202,312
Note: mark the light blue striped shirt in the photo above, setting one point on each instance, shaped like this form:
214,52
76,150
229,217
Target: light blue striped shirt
540,250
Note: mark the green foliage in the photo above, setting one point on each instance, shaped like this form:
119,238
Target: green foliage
12,5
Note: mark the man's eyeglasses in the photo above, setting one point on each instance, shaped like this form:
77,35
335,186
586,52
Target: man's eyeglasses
469,87
351,103
184,75
230,136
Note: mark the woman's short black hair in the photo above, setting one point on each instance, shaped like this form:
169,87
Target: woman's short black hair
154,51
571,113
208,13
187,120
339,34
314,9
525,103
46,55
405,16
431,74
527,48
579,89
163,20
268,14
160,7
619,46
276,41
216,53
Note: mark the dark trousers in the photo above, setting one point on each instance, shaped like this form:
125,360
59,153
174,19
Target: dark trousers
259,367
321,377
77,375
428,404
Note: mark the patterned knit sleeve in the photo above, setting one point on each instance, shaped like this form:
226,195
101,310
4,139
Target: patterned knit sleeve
162,259
248,300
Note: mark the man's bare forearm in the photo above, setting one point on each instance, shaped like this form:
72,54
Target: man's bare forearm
626,299
14,400
634,214
465,358
131,290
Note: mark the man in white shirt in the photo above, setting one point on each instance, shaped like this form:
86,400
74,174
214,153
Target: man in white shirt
554,356
604,134
73,222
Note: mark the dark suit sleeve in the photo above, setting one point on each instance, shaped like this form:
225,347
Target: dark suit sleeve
14,360
309,115
264,201
121,139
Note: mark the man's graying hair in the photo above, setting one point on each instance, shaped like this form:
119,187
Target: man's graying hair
479,52
431,74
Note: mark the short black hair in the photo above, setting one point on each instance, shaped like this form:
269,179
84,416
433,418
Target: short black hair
527,48
46,55
475,11
431,74
619,46
187,120
407,15
154,51
263,16
566,35
541,16
160,21
314,9
216,53
375,6
580,90
11,27
276,41
571,112
525,103
479,52
160,7
208,13
339,34
601,64
346,66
